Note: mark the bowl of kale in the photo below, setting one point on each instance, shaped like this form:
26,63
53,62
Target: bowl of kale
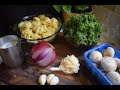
82,31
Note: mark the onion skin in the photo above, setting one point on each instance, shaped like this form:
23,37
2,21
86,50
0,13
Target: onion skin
43,54
45,61
39,46
53,57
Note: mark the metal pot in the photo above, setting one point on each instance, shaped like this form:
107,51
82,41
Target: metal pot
11,51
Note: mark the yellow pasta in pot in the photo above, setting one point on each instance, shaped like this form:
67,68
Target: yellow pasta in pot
21,24
38,28
44,35
35,23
27,34
50,32
36,19
25,24
54,21
24,30
42,17
36,36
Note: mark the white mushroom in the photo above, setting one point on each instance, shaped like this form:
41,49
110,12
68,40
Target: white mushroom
49,78
54,80
108,64
117,60
109,51
95,56
114,77
42,79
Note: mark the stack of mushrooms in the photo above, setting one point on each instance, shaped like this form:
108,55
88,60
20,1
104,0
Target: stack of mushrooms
107,64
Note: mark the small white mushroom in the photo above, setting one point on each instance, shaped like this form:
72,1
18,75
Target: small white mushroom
95,56
49,78
108,64
114,77
109,51
117,60
42,79
54,80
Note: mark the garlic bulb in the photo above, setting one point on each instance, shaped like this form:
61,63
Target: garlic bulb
42,79
109,52
108,64
114,77
69,64
54,80
49,78
95,56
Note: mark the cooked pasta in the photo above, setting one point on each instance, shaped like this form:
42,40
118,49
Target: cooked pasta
38,28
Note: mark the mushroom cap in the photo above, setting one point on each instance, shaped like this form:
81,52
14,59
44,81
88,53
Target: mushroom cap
117,60
108,64
114,77
95,56
109,51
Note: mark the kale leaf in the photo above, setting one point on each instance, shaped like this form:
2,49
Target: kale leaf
83,29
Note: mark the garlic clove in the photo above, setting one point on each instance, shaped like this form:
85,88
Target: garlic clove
49,78
54,80
42,79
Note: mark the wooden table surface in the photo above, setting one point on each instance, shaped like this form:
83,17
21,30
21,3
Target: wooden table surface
28,72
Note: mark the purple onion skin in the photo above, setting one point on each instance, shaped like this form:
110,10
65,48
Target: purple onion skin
42,55
47,60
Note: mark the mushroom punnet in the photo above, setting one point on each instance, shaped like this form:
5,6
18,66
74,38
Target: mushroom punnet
95,56
108,64
114,77
109,51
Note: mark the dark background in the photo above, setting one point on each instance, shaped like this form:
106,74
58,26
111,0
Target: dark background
10,14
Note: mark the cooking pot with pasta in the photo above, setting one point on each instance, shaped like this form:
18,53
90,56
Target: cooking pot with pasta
36,28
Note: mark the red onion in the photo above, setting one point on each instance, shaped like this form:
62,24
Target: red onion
47,60
43,54
53,57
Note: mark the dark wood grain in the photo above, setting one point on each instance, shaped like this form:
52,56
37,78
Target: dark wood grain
28,72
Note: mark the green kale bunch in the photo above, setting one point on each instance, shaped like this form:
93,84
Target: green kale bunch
83,29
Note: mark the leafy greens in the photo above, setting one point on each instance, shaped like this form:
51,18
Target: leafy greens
82,29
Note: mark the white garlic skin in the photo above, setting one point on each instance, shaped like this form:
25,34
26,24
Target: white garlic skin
95,56
114,77
117,60
109,51
49,78
42,79
70,64
54,80
108,64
